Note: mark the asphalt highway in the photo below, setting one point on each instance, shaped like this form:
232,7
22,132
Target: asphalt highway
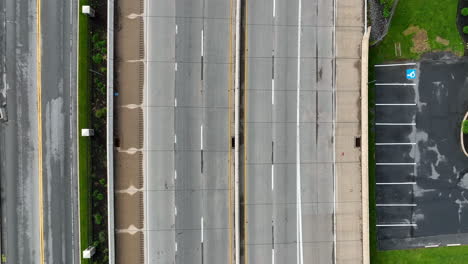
19,142
289,132
187,135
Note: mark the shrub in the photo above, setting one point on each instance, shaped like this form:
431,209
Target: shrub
386,12
102,236
97,219
465,126
98,58
465,29
100,113
464,11
102,182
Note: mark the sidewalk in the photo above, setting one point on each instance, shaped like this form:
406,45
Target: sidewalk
349,224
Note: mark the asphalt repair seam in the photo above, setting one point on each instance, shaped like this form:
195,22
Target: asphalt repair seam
421,187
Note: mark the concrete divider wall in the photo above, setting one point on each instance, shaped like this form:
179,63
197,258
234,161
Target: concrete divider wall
110,130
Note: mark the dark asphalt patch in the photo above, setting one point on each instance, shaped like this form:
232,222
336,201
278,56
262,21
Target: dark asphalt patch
440,192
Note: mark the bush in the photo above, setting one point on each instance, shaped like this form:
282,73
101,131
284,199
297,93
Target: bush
465,127
465,29
464,11
386,12
100,113
97,219
102,182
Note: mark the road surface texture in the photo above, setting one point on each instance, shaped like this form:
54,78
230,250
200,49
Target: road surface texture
348,182
289,132
421,169
186,148
19,136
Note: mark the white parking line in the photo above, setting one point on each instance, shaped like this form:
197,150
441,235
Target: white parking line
175,175
395,104
396,183
175,138
395,124
395,84
396,225
395,143
175,210
175,102
395,164
176,247
272,256
431,246
176,29
397,64
395,205
175,66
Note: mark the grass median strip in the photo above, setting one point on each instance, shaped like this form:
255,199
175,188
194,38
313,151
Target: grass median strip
84,143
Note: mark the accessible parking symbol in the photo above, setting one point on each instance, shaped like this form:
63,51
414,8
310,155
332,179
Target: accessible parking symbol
411,74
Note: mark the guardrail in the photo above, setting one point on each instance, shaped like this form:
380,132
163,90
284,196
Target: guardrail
110,130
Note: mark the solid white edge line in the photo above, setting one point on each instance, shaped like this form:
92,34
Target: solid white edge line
395,205
201,229
300,255
395,104
395,144
396,225
397,64
395,124
395,183
201,137
394,164
395,84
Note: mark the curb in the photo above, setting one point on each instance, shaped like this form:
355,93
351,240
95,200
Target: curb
365,147
461,135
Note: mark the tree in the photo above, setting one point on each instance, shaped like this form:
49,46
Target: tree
465,29
465,126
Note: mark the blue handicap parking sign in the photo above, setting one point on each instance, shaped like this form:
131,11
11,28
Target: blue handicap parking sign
411,74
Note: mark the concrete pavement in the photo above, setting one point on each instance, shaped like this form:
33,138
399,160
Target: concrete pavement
289,125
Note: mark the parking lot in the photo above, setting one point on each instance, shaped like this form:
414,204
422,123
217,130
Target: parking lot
420,168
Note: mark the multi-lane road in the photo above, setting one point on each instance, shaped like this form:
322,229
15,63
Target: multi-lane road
187,131
33,75
289,129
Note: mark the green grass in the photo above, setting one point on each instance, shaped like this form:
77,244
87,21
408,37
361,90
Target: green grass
84,143
438,19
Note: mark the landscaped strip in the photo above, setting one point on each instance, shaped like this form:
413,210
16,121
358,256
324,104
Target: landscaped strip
84,143
437,19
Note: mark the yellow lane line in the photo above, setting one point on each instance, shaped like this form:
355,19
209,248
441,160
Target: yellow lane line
39,127
230,216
